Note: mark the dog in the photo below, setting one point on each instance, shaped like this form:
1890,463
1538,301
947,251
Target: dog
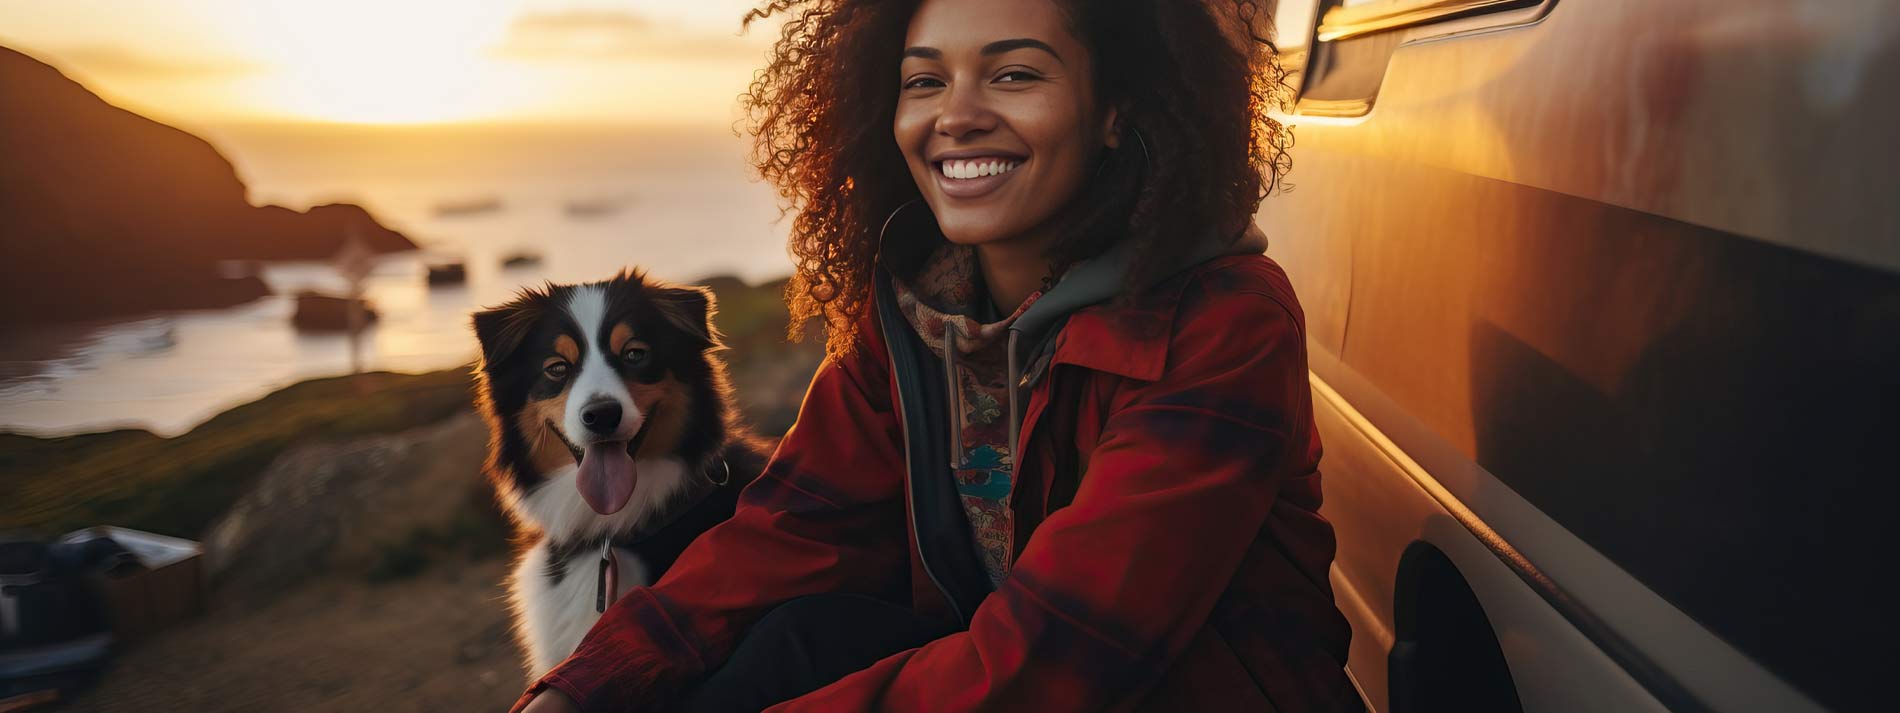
614,443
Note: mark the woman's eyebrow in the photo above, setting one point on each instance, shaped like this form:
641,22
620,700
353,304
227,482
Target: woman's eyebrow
993,48
1020,43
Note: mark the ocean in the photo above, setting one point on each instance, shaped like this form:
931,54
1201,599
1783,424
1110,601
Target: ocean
679,203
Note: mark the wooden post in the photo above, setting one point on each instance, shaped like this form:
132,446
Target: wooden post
353,262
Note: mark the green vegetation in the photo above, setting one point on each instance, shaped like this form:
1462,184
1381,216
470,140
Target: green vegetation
749,314
478,531
177,486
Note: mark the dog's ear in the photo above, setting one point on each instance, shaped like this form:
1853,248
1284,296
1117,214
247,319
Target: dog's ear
502,330
690,309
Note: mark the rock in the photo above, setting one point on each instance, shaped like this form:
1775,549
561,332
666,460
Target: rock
318,312
448,273
118,214
334,508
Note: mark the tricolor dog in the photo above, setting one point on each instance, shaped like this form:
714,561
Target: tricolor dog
613,442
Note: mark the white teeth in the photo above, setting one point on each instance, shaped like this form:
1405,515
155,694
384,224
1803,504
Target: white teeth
966,169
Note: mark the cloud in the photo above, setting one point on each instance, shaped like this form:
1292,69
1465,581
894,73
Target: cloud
606,35
119,61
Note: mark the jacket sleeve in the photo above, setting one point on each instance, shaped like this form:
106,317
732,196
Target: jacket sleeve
818,519
1111,589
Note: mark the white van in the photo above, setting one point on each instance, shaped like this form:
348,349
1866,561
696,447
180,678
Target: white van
1603,302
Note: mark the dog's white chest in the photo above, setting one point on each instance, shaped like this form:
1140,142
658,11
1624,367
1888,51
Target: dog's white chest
554,615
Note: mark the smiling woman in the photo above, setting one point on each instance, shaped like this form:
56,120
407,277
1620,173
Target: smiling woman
989,130
1062,456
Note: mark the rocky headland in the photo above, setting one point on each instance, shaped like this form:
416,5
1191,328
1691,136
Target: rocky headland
105,213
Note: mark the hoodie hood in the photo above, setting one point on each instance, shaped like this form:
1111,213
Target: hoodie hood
1099,278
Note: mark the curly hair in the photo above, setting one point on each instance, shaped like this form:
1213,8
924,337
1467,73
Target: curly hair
1194,80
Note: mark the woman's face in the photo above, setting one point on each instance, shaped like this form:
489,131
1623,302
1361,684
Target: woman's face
996,116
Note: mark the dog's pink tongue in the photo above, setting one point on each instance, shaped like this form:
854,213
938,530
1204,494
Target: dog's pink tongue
607,476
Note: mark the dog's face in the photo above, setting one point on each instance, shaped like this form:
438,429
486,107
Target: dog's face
594,378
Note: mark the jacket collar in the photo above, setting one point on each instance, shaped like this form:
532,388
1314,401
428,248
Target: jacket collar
1131,340
1127,340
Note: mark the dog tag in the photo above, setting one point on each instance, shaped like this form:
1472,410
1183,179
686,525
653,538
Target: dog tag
607,584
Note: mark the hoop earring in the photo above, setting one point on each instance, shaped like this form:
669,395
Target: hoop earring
726,469
1143,142
824,291
888,220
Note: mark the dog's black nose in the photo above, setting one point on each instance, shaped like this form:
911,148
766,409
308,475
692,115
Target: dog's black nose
601,417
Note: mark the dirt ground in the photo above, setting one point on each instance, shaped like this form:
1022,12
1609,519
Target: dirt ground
438,641
344,581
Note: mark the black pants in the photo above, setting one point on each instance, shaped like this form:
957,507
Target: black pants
806,644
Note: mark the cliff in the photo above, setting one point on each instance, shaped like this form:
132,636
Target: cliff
104,212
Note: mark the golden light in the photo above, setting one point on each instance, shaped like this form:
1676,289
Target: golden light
376,61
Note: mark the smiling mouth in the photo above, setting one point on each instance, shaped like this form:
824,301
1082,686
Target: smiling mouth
633,444
964,169
975,177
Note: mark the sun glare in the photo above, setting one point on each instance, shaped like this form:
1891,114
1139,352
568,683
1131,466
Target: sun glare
374,61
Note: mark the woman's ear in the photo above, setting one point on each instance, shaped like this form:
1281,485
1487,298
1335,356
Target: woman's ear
1112,128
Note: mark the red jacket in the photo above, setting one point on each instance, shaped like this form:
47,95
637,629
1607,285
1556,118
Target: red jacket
1176,559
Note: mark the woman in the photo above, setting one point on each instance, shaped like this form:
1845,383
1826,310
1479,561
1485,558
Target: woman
1025,223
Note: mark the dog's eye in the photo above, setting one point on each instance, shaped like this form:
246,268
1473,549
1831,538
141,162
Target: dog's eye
555,369
635,356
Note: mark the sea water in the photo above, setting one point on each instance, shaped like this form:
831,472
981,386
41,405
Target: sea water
680,203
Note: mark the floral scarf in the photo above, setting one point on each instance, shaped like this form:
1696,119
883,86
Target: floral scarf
948,294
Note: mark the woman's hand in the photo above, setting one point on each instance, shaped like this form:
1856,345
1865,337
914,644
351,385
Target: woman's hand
551,701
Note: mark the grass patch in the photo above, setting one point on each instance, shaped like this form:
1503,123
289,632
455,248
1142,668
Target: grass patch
479,531
176,486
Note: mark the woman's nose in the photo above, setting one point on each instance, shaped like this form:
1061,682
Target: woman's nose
965,112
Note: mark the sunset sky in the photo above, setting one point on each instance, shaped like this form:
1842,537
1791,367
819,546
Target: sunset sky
660,62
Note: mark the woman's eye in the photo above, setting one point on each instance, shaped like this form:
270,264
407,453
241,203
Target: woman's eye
1017,76
923,83
556,370
634,356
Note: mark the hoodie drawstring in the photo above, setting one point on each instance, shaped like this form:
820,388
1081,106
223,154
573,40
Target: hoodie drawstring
950,383
1012,375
